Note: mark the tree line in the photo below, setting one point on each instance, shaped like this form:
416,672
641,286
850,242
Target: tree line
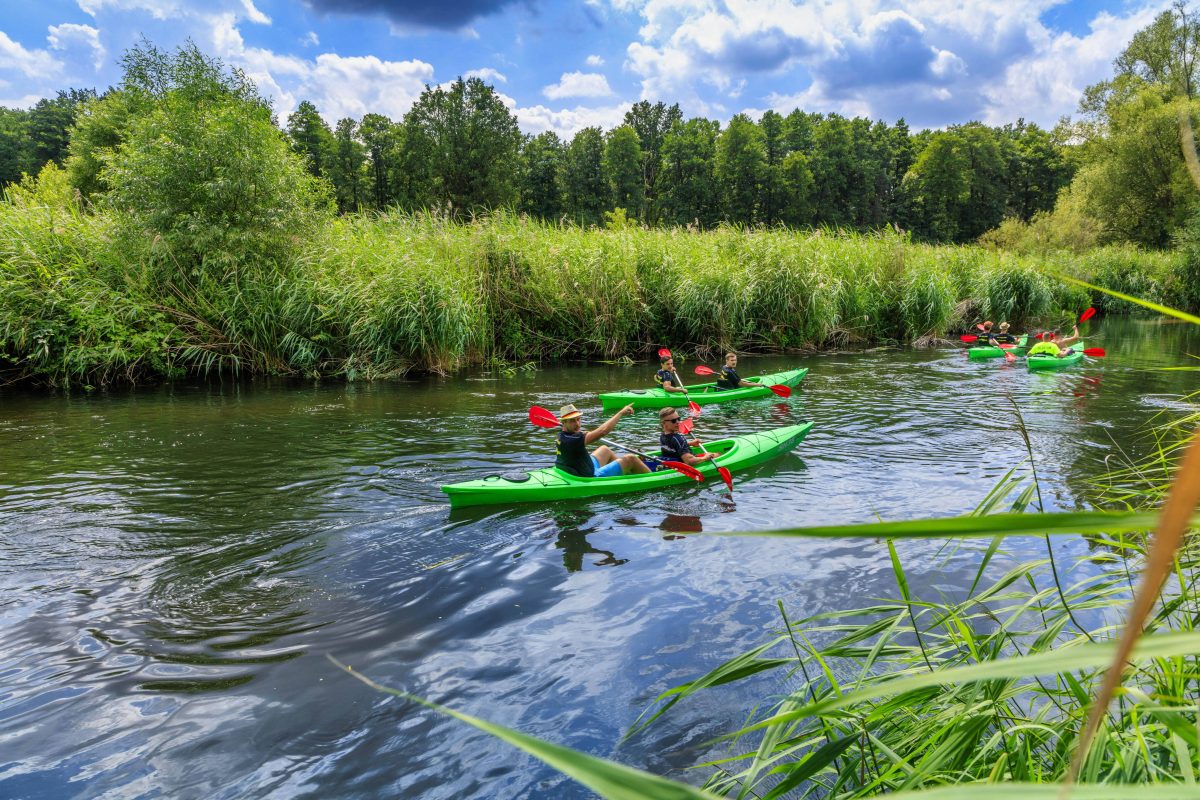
459,148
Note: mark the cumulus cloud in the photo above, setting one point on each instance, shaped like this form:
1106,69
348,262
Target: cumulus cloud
311,40
421,13
30,63
595,61
578,84
253,14
487,75
934,62
68,35
567,122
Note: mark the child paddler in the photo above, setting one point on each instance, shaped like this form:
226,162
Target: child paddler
1053,346
573,456
675,446
729,379
667,377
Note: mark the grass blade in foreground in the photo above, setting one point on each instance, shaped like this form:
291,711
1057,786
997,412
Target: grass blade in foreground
1049,791
989,525
607,778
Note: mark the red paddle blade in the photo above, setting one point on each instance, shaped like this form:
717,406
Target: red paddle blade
1097,352
685,426
781,390
543,418
684,469
664,353
969,338
725,476
1009,357
979,325
694,407
1039,335
703,370
1085,316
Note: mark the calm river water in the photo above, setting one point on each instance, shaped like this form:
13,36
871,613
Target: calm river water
176,563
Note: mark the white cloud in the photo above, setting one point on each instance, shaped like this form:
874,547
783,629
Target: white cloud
933,61
578,84
487,74
254,15
30,63
594,61
66,35
340,86
566,123
159,9
311,40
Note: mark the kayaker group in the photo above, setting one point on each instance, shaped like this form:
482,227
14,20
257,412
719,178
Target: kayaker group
1052,342
573,457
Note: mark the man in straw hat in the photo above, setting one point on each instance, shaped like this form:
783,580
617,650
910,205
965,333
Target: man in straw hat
573,456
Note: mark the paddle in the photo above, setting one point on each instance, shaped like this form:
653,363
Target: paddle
693,406
779,389
685,427
968,338
544,418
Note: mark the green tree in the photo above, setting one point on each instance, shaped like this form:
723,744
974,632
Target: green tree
652,122
347,167
741,162
584,187
687,186
470,142
311,138
16,155
378,135
774,150
1166,53
205,169
542,161
796,181
50,122
623,168
831,159
937,186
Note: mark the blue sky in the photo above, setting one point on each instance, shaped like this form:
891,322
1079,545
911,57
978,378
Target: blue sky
564,64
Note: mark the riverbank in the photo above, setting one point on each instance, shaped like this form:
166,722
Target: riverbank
86,300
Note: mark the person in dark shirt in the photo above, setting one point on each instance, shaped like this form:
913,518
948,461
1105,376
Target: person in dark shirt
667,377
675,446
729,379
572,455
1003,336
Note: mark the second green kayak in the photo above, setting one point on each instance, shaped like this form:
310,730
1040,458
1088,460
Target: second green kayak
702,393
991,351
737,452
1043,362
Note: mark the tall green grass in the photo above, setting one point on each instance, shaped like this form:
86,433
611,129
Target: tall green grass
86,298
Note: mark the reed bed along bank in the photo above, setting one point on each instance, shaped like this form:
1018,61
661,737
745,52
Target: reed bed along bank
85,299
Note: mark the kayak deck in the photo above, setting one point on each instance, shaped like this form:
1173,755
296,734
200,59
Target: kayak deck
1045,362
549,484
991,351
702,393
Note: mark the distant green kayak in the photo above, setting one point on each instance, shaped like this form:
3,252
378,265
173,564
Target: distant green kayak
991,351
702,393
1043,362
545,485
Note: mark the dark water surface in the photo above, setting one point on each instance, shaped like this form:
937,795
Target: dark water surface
176,563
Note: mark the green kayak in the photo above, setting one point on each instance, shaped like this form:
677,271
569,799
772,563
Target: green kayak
1042,361
544,485
991,351
702,393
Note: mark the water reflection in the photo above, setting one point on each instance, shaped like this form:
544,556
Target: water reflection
575,546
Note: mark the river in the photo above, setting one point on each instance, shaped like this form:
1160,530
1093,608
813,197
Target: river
177,562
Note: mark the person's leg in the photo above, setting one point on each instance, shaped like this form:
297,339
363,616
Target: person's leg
609,469
603,455
632,465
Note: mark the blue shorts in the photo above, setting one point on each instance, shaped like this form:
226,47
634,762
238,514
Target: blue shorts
611,468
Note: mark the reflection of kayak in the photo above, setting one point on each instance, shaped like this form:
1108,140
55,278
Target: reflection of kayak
702,393
552,483
991,351
1041,361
